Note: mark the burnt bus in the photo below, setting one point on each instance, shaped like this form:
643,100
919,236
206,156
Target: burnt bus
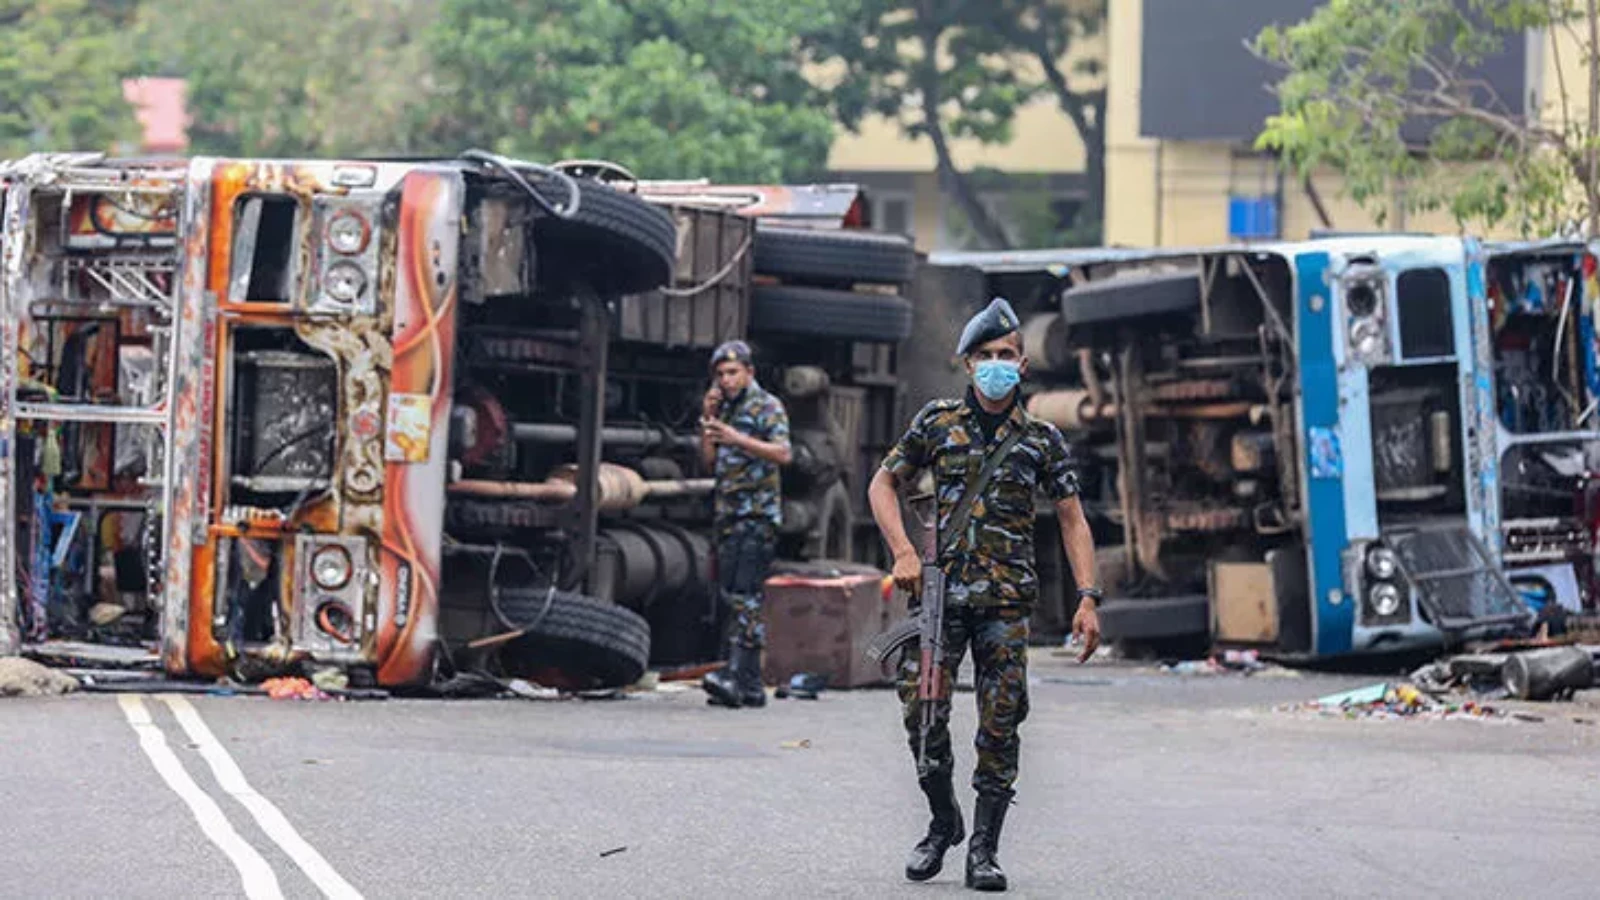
399,418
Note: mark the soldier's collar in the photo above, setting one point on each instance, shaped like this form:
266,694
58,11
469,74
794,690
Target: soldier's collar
1012,412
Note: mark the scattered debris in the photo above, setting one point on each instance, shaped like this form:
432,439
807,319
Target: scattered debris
1548,674
1395,701
802,686
293,689
612,852
529,691
26,678
803,744
1243,662
330,679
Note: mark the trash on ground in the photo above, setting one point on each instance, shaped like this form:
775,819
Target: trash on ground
802,686
26,678
293,689
612,852
1401,700
802,744
1243,662
529,691
330,679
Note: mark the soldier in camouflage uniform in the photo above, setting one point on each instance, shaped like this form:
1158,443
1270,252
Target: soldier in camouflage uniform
991,582
745,441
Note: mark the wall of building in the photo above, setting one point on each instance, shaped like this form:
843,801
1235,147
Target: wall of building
882,158
1176,193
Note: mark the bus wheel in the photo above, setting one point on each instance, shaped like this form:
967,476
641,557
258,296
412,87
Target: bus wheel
615,242
579,641
815,312
804,255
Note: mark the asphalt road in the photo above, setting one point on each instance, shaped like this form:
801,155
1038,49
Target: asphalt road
1133,784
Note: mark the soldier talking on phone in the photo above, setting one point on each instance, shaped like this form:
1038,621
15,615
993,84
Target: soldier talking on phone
988,456
744,440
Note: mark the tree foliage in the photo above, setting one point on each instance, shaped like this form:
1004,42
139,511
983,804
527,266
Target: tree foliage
294,77
1391,95
671,88
61,68
951,69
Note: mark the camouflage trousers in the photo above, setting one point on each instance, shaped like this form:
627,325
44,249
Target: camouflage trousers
999,641
744,555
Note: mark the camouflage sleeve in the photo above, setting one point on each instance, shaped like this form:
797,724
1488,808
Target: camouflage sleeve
1059,479
775,423
912,453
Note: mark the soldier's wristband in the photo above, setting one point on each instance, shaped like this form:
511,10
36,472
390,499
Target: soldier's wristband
1092,593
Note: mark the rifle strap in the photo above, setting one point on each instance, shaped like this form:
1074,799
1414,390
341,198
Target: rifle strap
974,488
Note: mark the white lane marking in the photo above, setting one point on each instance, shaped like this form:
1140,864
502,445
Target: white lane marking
259,880
268,816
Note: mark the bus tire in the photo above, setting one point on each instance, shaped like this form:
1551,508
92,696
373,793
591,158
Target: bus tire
821,313
833,257
616,243
586,643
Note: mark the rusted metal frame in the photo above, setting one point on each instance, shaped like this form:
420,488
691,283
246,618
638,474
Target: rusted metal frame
1144,547
13,283
594,334
1282,327
1283,438
1208,280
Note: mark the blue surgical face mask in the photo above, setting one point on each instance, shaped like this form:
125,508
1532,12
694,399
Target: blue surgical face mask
995,378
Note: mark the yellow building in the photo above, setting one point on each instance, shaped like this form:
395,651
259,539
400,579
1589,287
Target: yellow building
901,178
1186,100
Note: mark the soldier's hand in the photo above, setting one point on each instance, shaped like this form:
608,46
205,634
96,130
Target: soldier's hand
711,403
1086,629
719,431
908,573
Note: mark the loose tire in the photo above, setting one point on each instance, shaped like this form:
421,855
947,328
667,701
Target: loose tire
841,315
584,642
834,257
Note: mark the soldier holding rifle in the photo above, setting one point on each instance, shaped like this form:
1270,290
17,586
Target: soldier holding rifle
987,456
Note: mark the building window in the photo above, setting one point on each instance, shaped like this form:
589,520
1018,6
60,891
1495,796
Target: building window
892,213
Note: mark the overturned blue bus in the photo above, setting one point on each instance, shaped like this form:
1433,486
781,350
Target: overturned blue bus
1348,445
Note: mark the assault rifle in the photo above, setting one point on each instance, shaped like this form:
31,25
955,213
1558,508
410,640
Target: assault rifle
926,626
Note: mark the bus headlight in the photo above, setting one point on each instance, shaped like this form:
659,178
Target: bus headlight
347,233
344,282
1385,599
331,568
1382,564
1366,337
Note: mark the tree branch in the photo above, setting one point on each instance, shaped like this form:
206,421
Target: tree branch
989,230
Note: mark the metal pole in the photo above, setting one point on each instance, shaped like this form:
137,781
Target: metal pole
594,332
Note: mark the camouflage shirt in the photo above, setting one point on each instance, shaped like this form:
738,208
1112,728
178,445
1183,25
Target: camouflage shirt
749,487
992,563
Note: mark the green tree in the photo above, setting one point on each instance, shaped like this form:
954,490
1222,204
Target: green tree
61,68
294,77
951,69
670,88
1363,76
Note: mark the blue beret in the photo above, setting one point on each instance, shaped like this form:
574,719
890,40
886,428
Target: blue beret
732,351
996,321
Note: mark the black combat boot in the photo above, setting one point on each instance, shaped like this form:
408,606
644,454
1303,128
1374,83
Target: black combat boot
983,870
945,831
751,691
722,685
